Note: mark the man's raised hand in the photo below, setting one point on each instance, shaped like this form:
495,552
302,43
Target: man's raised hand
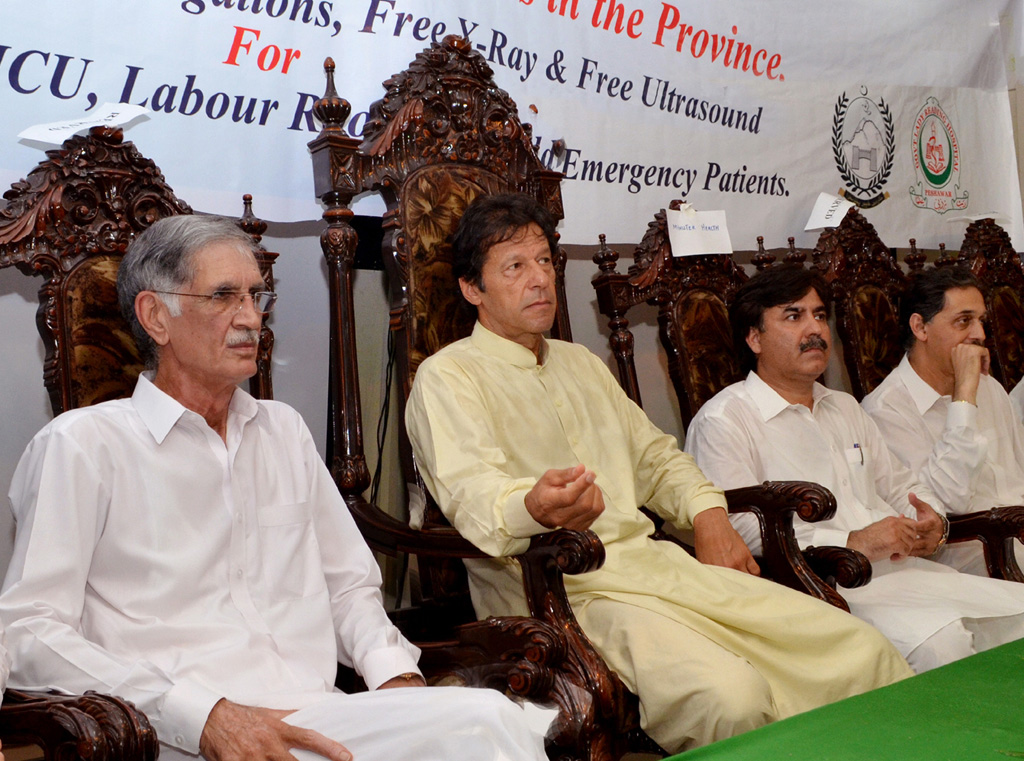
566,498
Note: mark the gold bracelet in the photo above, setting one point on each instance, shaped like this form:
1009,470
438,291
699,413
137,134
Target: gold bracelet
408,676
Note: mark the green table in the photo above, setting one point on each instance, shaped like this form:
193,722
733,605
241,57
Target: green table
971,710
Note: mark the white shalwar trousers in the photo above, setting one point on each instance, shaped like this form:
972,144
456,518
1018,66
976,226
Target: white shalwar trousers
428,724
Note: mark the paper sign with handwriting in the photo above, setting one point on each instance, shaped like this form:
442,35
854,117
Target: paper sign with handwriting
109,114
828,211
692,232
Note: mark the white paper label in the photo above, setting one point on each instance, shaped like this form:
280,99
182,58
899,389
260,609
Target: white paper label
692,232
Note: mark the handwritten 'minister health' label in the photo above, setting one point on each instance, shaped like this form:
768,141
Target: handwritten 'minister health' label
692,232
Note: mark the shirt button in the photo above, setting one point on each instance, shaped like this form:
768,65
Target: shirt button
558,402
845,482
238,572
179,739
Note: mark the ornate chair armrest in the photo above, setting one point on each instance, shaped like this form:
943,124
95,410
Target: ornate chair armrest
92,727
549,557
839,566
995,529
387,534
589,693
774,503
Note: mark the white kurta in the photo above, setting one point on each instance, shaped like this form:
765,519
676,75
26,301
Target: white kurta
971,457
1017,397
748,433
486,420
156,562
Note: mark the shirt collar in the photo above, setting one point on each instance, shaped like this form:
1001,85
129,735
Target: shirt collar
160,412
924,395
770,403
510,351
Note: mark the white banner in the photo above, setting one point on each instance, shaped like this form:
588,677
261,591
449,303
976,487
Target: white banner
751,107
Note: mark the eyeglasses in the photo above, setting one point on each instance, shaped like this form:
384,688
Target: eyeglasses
224,302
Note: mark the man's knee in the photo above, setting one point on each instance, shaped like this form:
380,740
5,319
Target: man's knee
738,704
950,643
734,701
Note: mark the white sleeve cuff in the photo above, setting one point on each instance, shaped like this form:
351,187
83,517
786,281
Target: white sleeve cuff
186,707
962,415
384,663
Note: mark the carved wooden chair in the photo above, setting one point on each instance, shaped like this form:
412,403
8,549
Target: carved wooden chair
988,253
70,221
867,283
443,134
692,295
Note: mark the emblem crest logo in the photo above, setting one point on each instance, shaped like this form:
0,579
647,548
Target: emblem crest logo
863,143
936,161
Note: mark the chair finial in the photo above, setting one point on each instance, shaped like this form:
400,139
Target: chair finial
331,110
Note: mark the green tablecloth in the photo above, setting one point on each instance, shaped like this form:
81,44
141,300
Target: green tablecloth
971,710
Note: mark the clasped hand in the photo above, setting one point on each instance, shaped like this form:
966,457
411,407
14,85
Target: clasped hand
897,537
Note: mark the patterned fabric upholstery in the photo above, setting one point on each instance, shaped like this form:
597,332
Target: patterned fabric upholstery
432,203
99,339
703,321
1007,317
875,322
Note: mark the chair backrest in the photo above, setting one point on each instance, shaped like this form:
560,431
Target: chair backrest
70,221
988,253
692,295
866,282
443,134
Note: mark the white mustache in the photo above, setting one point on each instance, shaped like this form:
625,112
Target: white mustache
246,336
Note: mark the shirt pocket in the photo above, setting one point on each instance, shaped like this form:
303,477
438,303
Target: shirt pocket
290,554
859,466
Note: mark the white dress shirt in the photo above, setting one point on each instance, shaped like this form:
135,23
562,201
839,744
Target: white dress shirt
155,562
971,457
748,433
1017,397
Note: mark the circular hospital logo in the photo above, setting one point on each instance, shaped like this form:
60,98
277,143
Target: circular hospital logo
863,143
936,161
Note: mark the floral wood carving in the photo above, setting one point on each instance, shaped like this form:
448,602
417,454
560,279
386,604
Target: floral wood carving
988,253
90,727
92,195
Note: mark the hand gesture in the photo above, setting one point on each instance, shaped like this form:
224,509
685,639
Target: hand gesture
929,528
566,498
718,543
892,537
970,362
235,732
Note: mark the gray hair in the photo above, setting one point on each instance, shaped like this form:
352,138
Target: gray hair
162,258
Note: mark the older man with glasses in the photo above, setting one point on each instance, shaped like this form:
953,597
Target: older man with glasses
186,549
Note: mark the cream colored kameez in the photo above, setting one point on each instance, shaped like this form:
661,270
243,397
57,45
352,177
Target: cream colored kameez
700,644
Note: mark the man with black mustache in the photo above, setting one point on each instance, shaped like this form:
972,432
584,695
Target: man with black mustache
781,424
942,414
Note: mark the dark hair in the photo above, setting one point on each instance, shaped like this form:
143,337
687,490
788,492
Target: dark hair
775,286
926,296
494,219
162,258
